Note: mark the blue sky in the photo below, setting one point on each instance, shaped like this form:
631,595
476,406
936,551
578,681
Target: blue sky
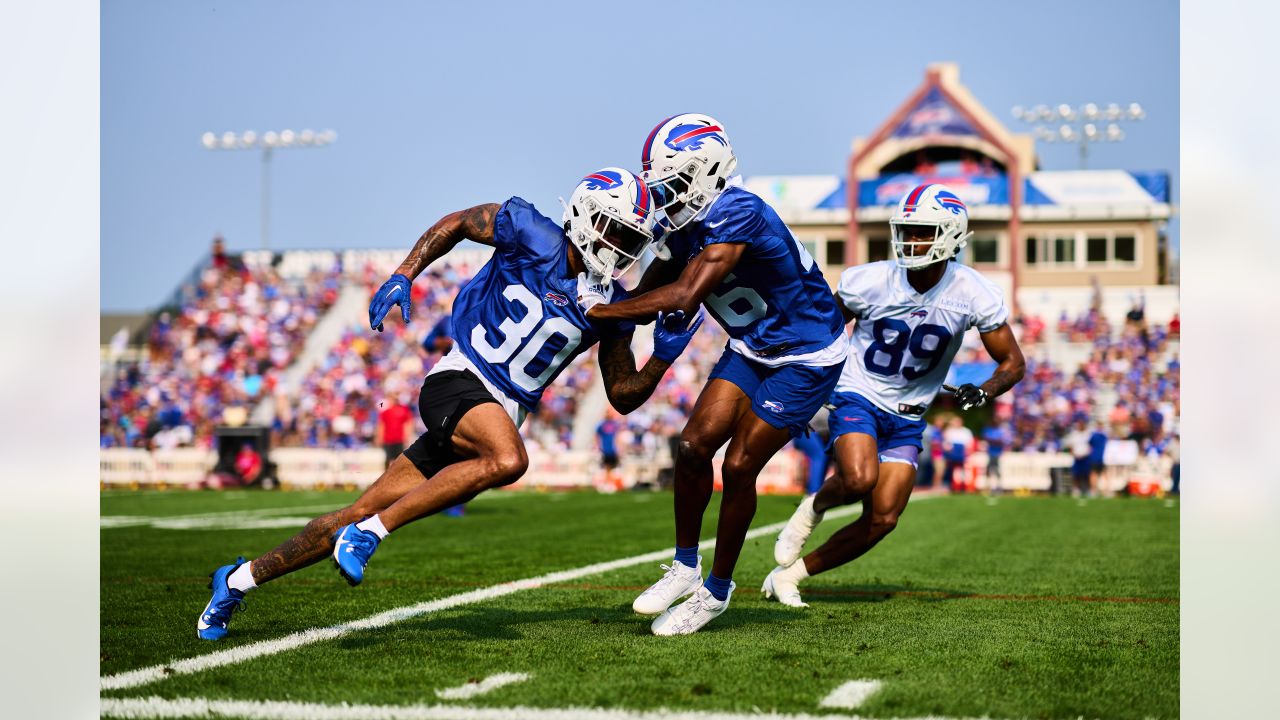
442,106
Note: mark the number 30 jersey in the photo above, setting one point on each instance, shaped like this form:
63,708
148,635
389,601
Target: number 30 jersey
904,341
518,320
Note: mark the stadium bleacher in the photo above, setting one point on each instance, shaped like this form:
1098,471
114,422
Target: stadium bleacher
285,340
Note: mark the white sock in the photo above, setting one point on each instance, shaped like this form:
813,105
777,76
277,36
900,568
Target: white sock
375,526
813,518
242,578
796,571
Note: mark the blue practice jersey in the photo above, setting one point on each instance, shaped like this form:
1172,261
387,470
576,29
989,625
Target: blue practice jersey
518,319
775,304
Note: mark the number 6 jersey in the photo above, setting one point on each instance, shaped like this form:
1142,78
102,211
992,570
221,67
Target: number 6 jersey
518,320
904,341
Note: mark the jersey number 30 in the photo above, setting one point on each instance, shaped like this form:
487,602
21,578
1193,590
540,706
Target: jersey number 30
515,334
893,338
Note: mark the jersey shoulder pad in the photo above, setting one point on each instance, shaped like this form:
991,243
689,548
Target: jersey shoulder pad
986,299
523,234
738,215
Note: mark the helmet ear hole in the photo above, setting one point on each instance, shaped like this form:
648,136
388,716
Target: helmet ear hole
719,183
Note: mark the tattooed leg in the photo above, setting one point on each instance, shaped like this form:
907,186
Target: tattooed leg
315,542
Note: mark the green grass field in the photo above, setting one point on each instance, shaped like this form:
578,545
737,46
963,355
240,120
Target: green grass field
1005,608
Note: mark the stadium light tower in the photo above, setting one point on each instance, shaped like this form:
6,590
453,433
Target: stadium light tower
267,142
1079,125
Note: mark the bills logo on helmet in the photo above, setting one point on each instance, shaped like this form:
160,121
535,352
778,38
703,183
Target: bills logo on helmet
556,298
603,180
691,137
951,202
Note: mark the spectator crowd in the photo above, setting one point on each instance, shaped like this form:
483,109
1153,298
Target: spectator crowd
225,346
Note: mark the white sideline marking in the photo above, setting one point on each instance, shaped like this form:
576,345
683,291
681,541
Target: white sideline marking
155,707
470,690
231,656
226,519
851,694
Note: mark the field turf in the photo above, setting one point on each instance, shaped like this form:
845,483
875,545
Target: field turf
1004,608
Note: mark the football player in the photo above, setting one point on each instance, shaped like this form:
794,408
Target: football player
726,249
516,325
911,314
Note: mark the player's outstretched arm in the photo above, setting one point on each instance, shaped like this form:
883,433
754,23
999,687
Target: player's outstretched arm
472,224
686,293
1003,348
475,223
660,272
628,388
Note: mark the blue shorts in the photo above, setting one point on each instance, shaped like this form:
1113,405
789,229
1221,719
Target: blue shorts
786,397
856,414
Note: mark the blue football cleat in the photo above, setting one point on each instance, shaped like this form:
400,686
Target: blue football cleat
212,624
352,548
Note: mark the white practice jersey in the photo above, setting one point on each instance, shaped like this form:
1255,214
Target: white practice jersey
903,342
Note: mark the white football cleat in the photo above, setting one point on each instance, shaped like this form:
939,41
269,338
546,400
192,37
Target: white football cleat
778,584
790,543
680,580
691,615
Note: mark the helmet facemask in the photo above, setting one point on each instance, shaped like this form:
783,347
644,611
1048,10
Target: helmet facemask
608,244
946,242
691,187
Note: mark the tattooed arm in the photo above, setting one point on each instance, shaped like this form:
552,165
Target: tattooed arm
1003,348
473,224
627,387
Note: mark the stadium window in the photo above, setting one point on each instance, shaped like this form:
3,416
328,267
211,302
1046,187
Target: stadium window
986,249
1096,249
877,249
1033,243
1126,249
835,252
1064,250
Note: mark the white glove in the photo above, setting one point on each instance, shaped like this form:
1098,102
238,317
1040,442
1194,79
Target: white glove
592,290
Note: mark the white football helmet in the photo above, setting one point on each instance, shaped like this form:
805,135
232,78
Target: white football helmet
933,206
609,218
686,161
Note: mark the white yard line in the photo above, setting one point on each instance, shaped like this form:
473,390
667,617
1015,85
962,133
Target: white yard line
489,684
224,518
241,653
155,707
851,694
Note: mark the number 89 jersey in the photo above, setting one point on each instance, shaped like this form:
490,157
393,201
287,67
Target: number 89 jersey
518,320
904,341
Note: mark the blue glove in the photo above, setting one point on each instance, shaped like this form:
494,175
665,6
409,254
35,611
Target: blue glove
671,334
395,291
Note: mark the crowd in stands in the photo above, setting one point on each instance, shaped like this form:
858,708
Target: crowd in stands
1127,388
223,348
236,330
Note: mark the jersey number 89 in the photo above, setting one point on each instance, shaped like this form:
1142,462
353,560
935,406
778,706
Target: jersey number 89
515,334
893,338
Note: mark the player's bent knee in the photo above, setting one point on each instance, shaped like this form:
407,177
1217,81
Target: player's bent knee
882,525
859,481
507,466
739,470
693,448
